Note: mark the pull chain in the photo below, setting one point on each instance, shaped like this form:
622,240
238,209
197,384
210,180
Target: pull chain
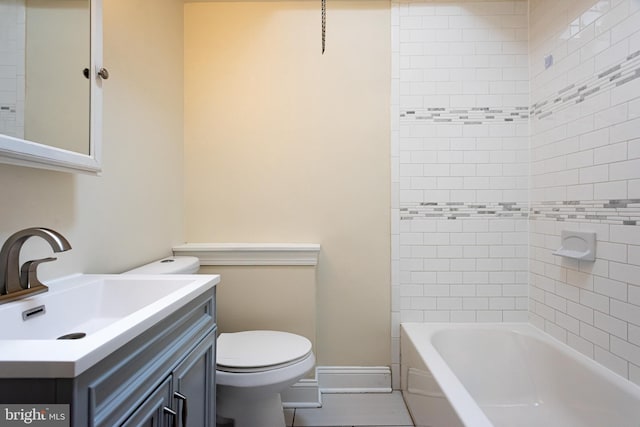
324,23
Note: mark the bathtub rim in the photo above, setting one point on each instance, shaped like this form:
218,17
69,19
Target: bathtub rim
463,403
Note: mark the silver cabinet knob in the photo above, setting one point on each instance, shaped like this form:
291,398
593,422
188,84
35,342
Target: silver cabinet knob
103,73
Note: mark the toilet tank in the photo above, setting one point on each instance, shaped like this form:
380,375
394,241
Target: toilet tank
170,265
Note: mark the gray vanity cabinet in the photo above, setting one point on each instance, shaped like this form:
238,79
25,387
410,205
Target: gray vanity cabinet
185,394
168,368
152,412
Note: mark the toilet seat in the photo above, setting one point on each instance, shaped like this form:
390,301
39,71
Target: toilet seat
259,351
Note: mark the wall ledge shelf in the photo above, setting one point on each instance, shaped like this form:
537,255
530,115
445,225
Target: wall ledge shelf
251,253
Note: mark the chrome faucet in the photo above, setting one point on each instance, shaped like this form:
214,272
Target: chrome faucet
18,282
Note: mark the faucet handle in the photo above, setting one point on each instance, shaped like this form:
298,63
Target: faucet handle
29,273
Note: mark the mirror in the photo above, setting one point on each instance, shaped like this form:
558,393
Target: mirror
51,84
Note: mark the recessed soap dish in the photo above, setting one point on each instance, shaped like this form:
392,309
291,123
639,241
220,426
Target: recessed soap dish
580,245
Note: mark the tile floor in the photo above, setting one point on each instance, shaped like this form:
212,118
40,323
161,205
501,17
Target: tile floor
349,410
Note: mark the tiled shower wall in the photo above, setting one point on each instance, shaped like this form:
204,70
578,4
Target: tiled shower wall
460,161
464,224
585,165
12,52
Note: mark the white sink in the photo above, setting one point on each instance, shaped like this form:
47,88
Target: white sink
109,309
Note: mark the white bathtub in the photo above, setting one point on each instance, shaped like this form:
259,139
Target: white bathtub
507,375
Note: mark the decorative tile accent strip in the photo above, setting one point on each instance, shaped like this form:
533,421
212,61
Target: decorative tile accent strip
466,116
460,210
8,119
6,109
575,93
618,212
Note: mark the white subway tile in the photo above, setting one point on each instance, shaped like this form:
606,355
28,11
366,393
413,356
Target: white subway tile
633,108
629,169
475,303
580,344
463,265
625,131
626,27
462,290
594,335
625,350
633,334
449,251
612,251
449,303
625,311
611,325
594,174
580,312
489,290
475,252
436,290
634,295
634,189
610,116
634,374
567,322
484,238
489,316
594,139
611,153
613,55
611,361
464,238
423,251
580,192
610,190
448,35
634,254
423,303
626,92
625,234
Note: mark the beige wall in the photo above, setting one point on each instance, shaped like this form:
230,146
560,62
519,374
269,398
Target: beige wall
133,213
283,144
242,305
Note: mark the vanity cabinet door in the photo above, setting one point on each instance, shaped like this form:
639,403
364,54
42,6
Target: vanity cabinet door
194,386
152,413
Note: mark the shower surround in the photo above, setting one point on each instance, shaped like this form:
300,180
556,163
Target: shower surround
12,77
511,121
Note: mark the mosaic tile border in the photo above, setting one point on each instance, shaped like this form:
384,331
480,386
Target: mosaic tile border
617,212
462,210
618,75
466,116
8,116
8,109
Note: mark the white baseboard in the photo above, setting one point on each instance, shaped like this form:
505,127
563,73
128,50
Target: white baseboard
354,379
337,379
303,394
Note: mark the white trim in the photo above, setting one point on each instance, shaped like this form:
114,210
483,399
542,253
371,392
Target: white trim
303,394
307,393
251,253
354,379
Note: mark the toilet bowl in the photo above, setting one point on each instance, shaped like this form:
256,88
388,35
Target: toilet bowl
252,367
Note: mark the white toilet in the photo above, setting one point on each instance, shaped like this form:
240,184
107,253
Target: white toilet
252,367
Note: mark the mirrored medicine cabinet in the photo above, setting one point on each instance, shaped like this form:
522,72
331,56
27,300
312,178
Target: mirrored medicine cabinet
51,79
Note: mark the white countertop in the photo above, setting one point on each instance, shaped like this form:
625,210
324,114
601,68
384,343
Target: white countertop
111,309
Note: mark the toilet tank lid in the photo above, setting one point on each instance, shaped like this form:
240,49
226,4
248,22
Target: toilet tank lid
169,265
